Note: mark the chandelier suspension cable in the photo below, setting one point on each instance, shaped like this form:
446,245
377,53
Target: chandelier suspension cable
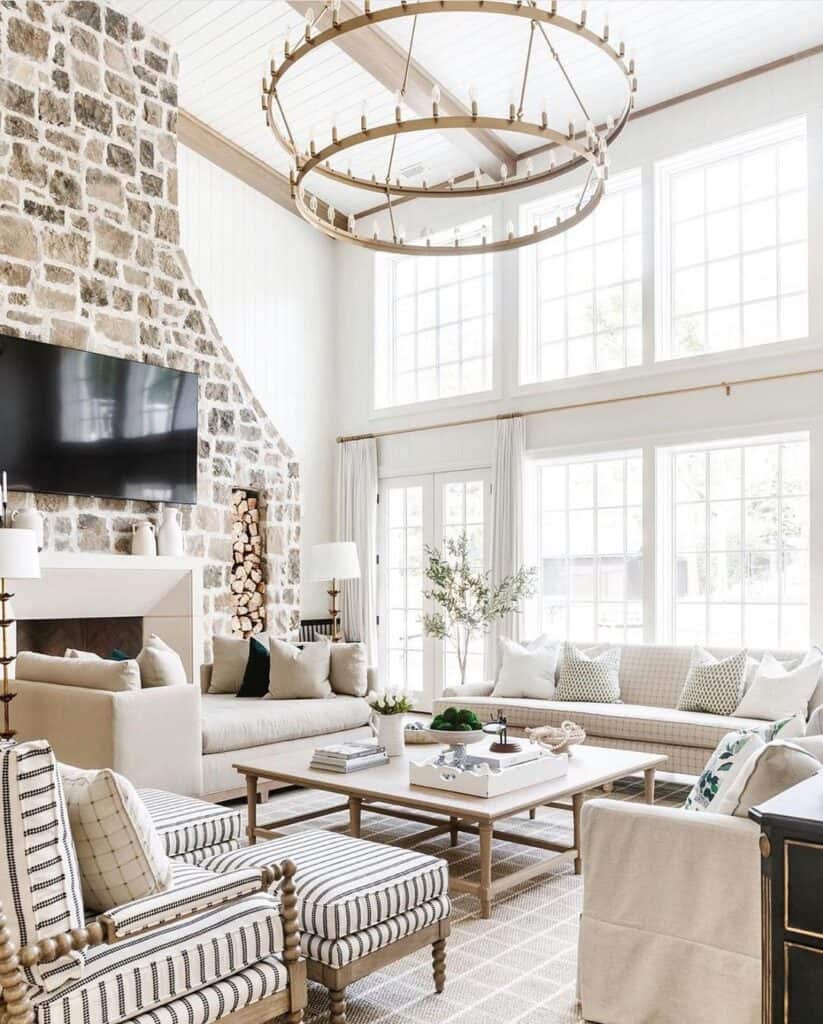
403,85
562,67
526,71
585,190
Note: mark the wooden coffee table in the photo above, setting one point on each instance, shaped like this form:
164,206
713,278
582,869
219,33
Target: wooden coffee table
385,789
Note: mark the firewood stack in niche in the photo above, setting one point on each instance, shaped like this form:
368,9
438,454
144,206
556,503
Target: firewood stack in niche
248,586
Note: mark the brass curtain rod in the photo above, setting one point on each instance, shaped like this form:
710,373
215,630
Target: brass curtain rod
727,385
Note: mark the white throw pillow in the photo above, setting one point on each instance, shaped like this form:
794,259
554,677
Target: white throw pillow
526,671
530,645
776,767
299,674
160,665
120,854
349,669
72,652
777,691
592,679
713,686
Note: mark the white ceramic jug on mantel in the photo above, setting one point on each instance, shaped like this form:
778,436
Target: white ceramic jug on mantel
169,535
142,539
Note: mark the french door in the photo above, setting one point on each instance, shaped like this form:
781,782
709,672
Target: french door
416,512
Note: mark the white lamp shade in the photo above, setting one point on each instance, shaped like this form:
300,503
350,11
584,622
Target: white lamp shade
18,555
336,561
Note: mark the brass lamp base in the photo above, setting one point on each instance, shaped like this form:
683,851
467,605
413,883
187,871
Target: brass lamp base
334,612
6,697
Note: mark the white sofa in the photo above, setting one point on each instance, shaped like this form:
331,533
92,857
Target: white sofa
651,680
180,738
670,929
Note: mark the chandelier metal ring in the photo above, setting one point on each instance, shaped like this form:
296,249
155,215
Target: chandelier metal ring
588,146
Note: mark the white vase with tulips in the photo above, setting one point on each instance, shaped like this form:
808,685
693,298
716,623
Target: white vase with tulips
388,720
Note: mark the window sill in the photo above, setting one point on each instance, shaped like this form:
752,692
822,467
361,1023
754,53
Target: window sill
390,412
670,366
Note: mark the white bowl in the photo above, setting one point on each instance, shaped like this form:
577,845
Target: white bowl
455,738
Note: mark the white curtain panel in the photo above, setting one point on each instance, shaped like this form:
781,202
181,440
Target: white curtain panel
507,519
357,521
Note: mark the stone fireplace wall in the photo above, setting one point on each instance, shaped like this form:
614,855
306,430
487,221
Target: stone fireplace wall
90,258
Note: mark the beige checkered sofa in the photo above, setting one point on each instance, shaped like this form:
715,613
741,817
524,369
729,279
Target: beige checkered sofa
651,680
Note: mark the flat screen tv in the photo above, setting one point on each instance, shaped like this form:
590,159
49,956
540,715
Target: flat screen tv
74,422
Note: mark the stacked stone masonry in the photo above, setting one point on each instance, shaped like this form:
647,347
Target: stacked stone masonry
90,258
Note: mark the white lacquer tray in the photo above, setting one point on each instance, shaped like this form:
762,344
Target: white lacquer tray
438,776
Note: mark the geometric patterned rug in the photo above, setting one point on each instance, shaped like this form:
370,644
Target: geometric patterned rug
518,967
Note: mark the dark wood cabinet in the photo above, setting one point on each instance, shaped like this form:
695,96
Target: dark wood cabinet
791,847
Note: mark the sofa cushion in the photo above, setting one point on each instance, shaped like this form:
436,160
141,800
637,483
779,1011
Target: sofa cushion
713,685
39,878
345,885
593,678
186,824
299,672
231,724
231,655
624,721
121,856
776,767
160,665
339,952
99,674
261,980
145,971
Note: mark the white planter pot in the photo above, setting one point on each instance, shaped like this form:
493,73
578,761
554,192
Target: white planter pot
169,535
389,732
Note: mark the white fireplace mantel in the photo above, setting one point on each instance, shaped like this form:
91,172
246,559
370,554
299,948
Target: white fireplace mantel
165,592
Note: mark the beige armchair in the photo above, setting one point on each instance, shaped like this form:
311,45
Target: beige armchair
670,930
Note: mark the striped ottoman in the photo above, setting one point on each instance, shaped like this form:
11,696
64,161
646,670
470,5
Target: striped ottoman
193,830
362,905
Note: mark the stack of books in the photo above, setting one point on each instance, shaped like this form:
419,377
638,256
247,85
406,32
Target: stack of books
348,757
528,752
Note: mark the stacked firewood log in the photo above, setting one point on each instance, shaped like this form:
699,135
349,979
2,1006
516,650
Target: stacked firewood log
248,586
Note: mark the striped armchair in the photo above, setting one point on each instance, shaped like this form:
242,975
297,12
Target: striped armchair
212,947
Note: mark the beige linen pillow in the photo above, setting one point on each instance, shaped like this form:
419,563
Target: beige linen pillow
72,652
349,669
99,674
777,767
296,674
160,665
120,854
231,655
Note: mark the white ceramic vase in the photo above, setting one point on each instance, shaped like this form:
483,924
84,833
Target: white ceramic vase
29,519
389,732
169,535
142,539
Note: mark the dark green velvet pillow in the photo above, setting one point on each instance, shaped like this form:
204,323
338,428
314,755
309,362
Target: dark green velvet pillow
256,677
118,655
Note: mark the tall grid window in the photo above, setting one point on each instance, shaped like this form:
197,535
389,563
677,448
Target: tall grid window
582,289
732,243
405,589
438,328
736,558
591,545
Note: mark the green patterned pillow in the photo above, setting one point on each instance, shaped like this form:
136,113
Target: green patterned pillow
713,686
729,757
593,679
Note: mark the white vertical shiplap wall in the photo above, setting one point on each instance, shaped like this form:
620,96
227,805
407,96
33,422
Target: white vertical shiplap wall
269,282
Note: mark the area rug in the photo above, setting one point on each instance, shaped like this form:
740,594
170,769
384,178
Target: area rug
519,966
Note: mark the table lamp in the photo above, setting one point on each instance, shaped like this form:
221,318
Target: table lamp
337,561
18,561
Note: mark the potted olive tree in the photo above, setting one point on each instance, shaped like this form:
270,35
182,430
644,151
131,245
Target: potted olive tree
466,601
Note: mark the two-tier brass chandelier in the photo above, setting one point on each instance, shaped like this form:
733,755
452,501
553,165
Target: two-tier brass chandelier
585,146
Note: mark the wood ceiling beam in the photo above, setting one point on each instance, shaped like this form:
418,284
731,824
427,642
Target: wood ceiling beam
385,61
203,139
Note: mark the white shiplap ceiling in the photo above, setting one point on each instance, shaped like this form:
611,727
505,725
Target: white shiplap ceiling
679,45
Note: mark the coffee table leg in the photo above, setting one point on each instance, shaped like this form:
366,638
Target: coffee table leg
648,775
355,806
577,806
251,808
484,830
453,833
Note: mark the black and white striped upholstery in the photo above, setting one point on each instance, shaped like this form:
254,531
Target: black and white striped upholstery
39,878
216,1001
339,952
187,825
146,971
196,857
193,890
346,885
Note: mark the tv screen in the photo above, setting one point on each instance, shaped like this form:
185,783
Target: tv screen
75,422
